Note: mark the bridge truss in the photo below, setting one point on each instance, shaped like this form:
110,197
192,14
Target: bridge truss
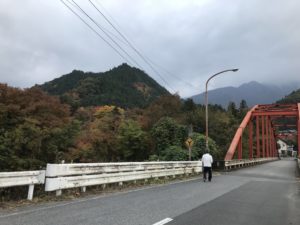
262,126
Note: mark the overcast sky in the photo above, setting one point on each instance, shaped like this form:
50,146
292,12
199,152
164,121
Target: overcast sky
192,39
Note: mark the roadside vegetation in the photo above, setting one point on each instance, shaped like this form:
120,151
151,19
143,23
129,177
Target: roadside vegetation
36,129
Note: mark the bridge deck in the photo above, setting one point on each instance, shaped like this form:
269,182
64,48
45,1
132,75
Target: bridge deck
271,196
265,194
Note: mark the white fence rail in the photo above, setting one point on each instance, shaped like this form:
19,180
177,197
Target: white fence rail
246,162
30,178
64,176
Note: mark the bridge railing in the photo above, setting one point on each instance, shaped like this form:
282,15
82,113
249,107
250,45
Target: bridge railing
237,163
64,176
30,178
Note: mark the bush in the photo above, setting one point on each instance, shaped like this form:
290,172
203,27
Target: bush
174,153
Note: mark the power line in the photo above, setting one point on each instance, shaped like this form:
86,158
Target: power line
172,74
75,5
131,45
106,11
94,30
116,43
121,40
115,22
112,19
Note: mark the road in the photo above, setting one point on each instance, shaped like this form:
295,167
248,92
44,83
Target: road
265,194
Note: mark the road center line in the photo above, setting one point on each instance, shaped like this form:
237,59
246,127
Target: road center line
164,221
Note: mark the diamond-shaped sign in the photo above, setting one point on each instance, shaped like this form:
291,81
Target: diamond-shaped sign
189,142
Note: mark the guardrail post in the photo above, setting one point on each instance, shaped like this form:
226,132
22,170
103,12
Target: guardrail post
146,168
83,189
173,167
58,192
165,168
134,180
30,192
23,178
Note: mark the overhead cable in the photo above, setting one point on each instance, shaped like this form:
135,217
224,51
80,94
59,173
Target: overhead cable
172,74
116,43
131,45
99,35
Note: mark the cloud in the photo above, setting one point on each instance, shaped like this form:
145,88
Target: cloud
41,40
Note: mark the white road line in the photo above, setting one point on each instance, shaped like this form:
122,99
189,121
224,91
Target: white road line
164,221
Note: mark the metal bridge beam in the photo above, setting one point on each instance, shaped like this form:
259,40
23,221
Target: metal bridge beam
238,134
298,130
250,139
264,117
279,113
263,136
257,138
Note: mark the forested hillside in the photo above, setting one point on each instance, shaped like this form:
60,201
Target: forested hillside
123,86
37,129
293,97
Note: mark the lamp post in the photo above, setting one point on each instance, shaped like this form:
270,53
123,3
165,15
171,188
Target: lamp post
206,104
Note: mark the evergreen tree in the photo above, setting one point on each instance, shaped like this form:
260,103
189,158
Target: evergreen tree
232,109
243,109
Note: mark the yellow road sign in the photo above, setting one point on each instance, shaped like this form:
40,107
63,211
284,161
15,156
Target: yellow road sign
189,142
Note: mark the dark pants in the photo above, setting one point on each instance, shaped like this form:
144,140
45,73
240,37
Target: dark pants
205,171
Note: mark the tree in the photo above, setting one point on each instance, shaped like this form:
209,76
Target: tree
166,132
35,128
243,105
189,105
232,109
199,146
132,142
197,119
243,109
165,106
98,142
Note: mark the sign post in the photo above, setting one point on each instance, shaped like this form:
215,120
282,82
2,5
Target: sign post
189,144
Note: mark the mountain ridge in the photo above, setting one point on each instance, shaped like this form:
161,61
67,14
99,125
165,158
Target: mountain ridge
123,86
253,92
293,97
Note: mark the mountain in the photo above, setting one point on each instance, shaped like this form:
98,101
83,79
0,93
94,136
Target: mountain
122,86
293,97
253,92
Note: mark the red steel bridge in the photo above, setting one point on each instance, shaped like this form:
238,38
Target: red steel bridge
260,129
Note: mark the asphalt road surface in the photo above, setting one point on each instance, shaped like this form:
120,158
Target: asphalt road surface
265,194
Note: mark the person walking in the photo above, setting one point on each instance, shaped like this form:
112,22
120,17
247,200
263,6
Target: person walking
207,161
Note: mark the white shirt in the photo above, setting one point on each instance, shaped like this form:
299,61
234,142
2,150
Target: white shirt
207,160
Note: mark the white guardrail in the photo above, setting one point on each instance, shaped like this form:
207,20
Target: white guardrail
236,163
64,176
30,178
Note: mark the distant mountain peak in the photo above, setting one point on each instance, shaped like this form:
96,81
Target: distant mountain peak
251,83
253,92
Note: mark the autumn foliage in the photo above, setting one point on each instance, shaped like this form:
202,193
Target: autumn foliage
36,129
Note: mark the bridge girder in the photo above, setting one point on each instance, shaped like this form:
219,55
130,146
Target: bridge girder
264,117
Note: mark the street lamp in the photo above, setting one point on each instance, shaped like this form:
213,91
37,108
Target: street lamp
206,104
